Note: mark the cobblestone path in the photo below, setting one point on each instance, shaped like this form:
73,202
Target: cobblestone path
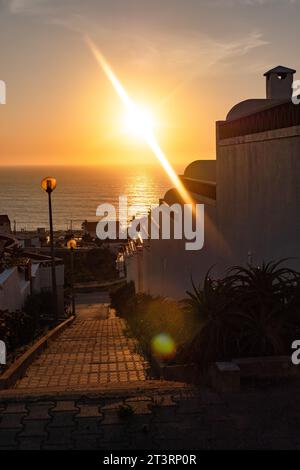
93,351
90,390
160,416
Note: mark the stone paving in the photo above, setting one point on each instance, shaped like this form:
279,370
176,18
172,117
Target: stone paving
90,390
164,418
93,351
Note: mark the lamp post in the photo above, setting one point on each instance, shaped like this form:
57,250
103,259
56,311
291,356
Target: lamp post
72,246
49,184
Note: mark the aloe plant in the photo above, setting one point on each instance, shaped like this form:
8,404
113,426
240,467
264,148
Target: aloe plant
251,311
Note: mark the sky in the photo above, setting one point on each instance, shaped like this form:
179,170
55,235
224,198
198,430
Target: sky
187,61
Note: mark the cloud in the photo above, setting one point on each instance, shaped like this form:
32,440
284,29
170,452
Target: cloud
188,51
191,54
233,3
25,6
200,49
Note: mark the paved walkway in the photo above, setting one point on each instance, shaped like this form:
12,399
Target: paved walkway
162,418
93,351
88,390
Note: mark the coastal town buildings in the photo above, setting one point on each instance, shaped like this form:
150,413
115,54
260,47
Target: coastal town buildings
23,273
89,228
251,195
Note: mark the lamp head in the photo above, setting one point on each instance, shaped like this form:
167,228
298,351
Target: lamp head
48,184
72,244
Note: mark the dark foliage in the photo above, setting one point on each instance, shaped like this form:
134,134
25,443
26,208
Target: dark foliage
97,264
20,327
123,300
150,316
253,311
40,307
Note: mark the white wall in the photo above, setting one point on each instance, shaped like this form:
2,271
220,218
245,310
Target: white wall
256,217
165,267
12,291
46,279
258,194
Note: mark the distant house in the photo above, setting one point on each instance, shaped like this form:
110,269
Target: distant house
5,226
29,273
90,228
251,195
29,239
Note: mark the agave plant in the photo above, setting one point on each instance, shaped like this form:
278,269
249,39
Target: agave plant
215,305
260,331
268,284
252,311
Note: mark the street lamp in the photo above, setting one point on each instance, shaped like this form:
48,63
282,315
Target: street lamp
72,246
49,184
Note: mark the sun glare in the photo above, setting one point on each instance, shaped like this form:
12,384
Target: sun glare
138,122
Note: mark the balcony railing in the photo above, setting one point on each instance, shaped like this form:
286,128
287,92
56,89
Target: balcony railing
279,117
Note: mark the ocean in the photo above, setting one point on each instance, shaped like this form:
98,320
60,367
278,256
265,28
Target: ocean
79,192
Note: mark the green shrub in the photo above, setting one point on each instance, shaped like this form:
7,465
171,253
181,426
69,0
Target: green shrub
124,300
97,264
149,316
39,306
16,329
252,311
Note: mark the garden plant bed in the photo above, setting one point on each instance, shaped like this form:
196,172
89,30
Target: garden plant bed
229,376
187,373
251,314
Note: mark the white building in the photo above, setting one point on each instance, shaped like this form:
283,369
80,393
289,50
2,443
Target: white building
30,273
258,176
251,194
165,267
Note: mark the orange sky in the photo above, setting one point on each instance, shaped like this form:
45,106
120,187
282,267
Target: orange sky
79,116
188,65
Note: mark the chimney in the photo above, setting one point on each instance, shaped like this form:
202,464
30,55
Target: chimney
279,83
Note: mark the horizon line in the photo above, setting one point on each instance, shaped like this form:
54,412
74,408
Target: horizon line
86,165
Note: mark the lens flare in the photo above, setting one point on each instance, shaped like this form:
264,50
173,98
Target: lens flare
163,346
139,122
147,132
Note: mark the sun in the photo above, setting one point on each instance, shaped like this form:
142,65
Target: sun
138,122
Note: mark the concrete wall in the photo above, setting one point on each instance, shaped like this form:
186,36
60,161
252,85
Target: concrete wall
256,216
165,267
258,197
279,87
